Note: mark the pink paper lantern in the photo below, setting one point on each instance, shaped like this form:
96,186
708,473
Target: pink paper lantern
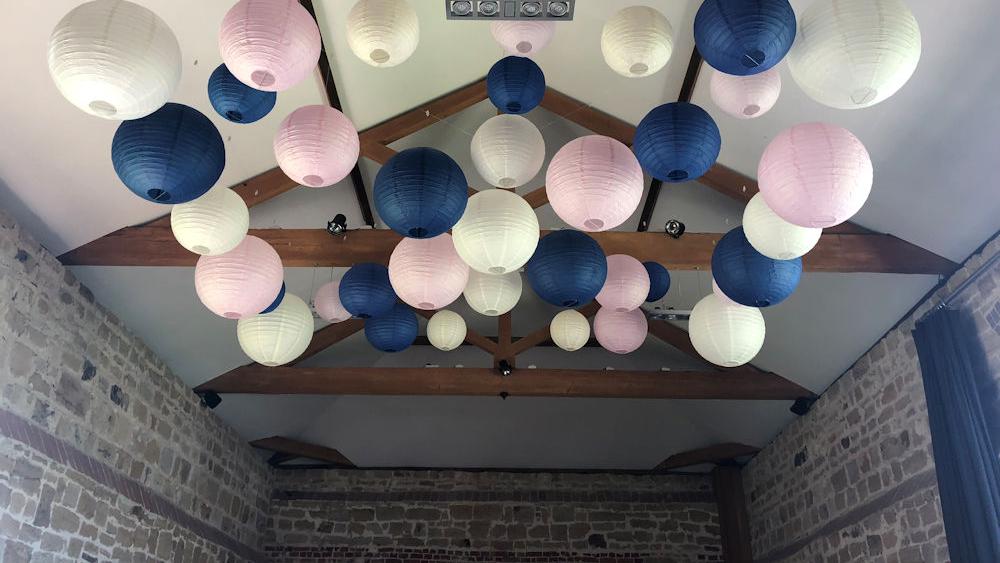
594,183
327,303
627,285
718,293
317,146
746,97
620,333
523,38
269,45
815,175
239,283
427,273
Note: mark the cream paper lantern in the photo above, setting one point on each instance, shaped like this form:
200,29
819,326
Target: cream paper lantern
570,330
213,224
498,232
383,33
726,333
508,151
774,237
746,97
851,54
446,330
493,295
523,38
278,337
637,41
114,59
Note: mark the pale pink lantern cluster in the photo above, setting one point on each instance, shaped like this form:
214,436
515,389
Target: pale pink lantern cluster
627,285
428,273
317,146
523,38
242,282
620,332
327,303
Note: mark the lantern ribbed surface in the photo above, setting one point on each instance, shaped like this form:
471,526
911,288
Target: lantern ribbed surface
277,300
316,146
236,101
637,41
393,331
659,281
627,284
725,333
365,290
498,232
327,303
594,183
420,192
212,224
269,44
677,142
114,59
750,278
173,155
446,330
383,33
815,175
620,332
523,38
568,269
427,273
774,237
852,54
508,151
743,37
241,282
746,97
277,337
515,85
570,330
492,295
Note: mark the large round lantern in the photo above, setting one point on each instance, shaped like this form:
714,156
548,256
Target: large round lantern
241,282
815,175
852,54
594,183
523,38
420,192
627,284
508,151
726,333
774,237
427,273
570,330
515,85
393,331
278,336
637,41
750,278
316,146
212,224
746,97
568,269
236,101
383,33
677,142
173,155
743,37
659,281
492,295
327,303
446,330
269,44
620,332
498,232
365,290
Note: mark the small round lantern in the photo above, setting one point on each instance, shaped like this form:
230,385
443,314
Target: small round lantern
750,278
278,336
637,41
420,192
627,284
523,38
241,282
620,332
365,290
743,37
677,142
446,330
498,232
568,269
515,85
659,281
724,333
383,33
570,330
393,331
327,303
774,237
508,151
236,101
316,146
492,295
212,224
427,273
746,97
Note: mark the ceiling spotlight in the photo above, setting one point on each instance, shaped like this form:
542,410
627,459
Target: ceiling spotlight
338,226
558,9
531,9
674,228
489,8
505,368
461,7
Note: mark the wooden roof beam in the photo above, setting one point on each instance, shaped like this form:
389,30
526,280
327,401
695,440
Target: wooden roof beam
718,453
286,449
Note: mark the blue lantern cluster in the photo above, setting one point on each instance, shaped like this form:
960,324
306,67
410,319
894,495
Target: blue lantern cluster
515,85
421,192
659,281
677,142
744,37
394,331
365,291
277,300
568,268
236,101
750,278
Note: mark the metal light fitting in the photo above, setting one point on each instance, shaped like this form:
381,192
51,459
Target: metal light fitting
551,10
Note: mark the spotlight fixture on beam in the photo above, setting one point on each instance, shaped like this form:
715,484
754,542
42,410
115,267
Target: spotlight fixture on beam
554,10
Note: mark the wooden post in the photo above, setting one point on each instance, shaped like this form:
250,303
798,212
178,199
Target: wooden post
734,523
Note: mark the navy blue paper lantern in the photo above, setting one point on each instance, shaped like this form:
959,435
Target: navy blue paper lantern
516,85
568,268
744,37
394,331
677,142
659,281
365,291
173,155
277,300
421,193
750,278
236,101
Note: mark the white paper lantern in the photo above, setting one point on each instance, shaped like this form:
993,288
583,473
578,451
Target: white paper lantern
570,330
383,33
508,151
637,41
851,54
498,232
213,224
446,330
726,334
523,38
746,97
492,295
774,237
427,273
114,59
278,337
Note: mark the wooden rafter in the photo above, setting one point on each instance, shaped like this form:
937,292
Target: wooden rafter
472,337
543,334
717,453
286,449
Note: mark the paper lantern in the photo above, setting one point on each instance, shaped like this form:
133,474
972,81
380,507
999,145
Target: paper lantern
493,295
236,101
620,332
173,155
420,192
316,146
241,282
393,331
523,38
594,183
627,284
212,224
277,337
383,33
746,97
446,330
365,290
515,85
269,44
774,237
718,293
427,273
637,41
815,175
743,37
750,278
725,333
568,269
570,330
114,59
277,300
677,142
327,303
508,150
659,281
498,232
852,54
